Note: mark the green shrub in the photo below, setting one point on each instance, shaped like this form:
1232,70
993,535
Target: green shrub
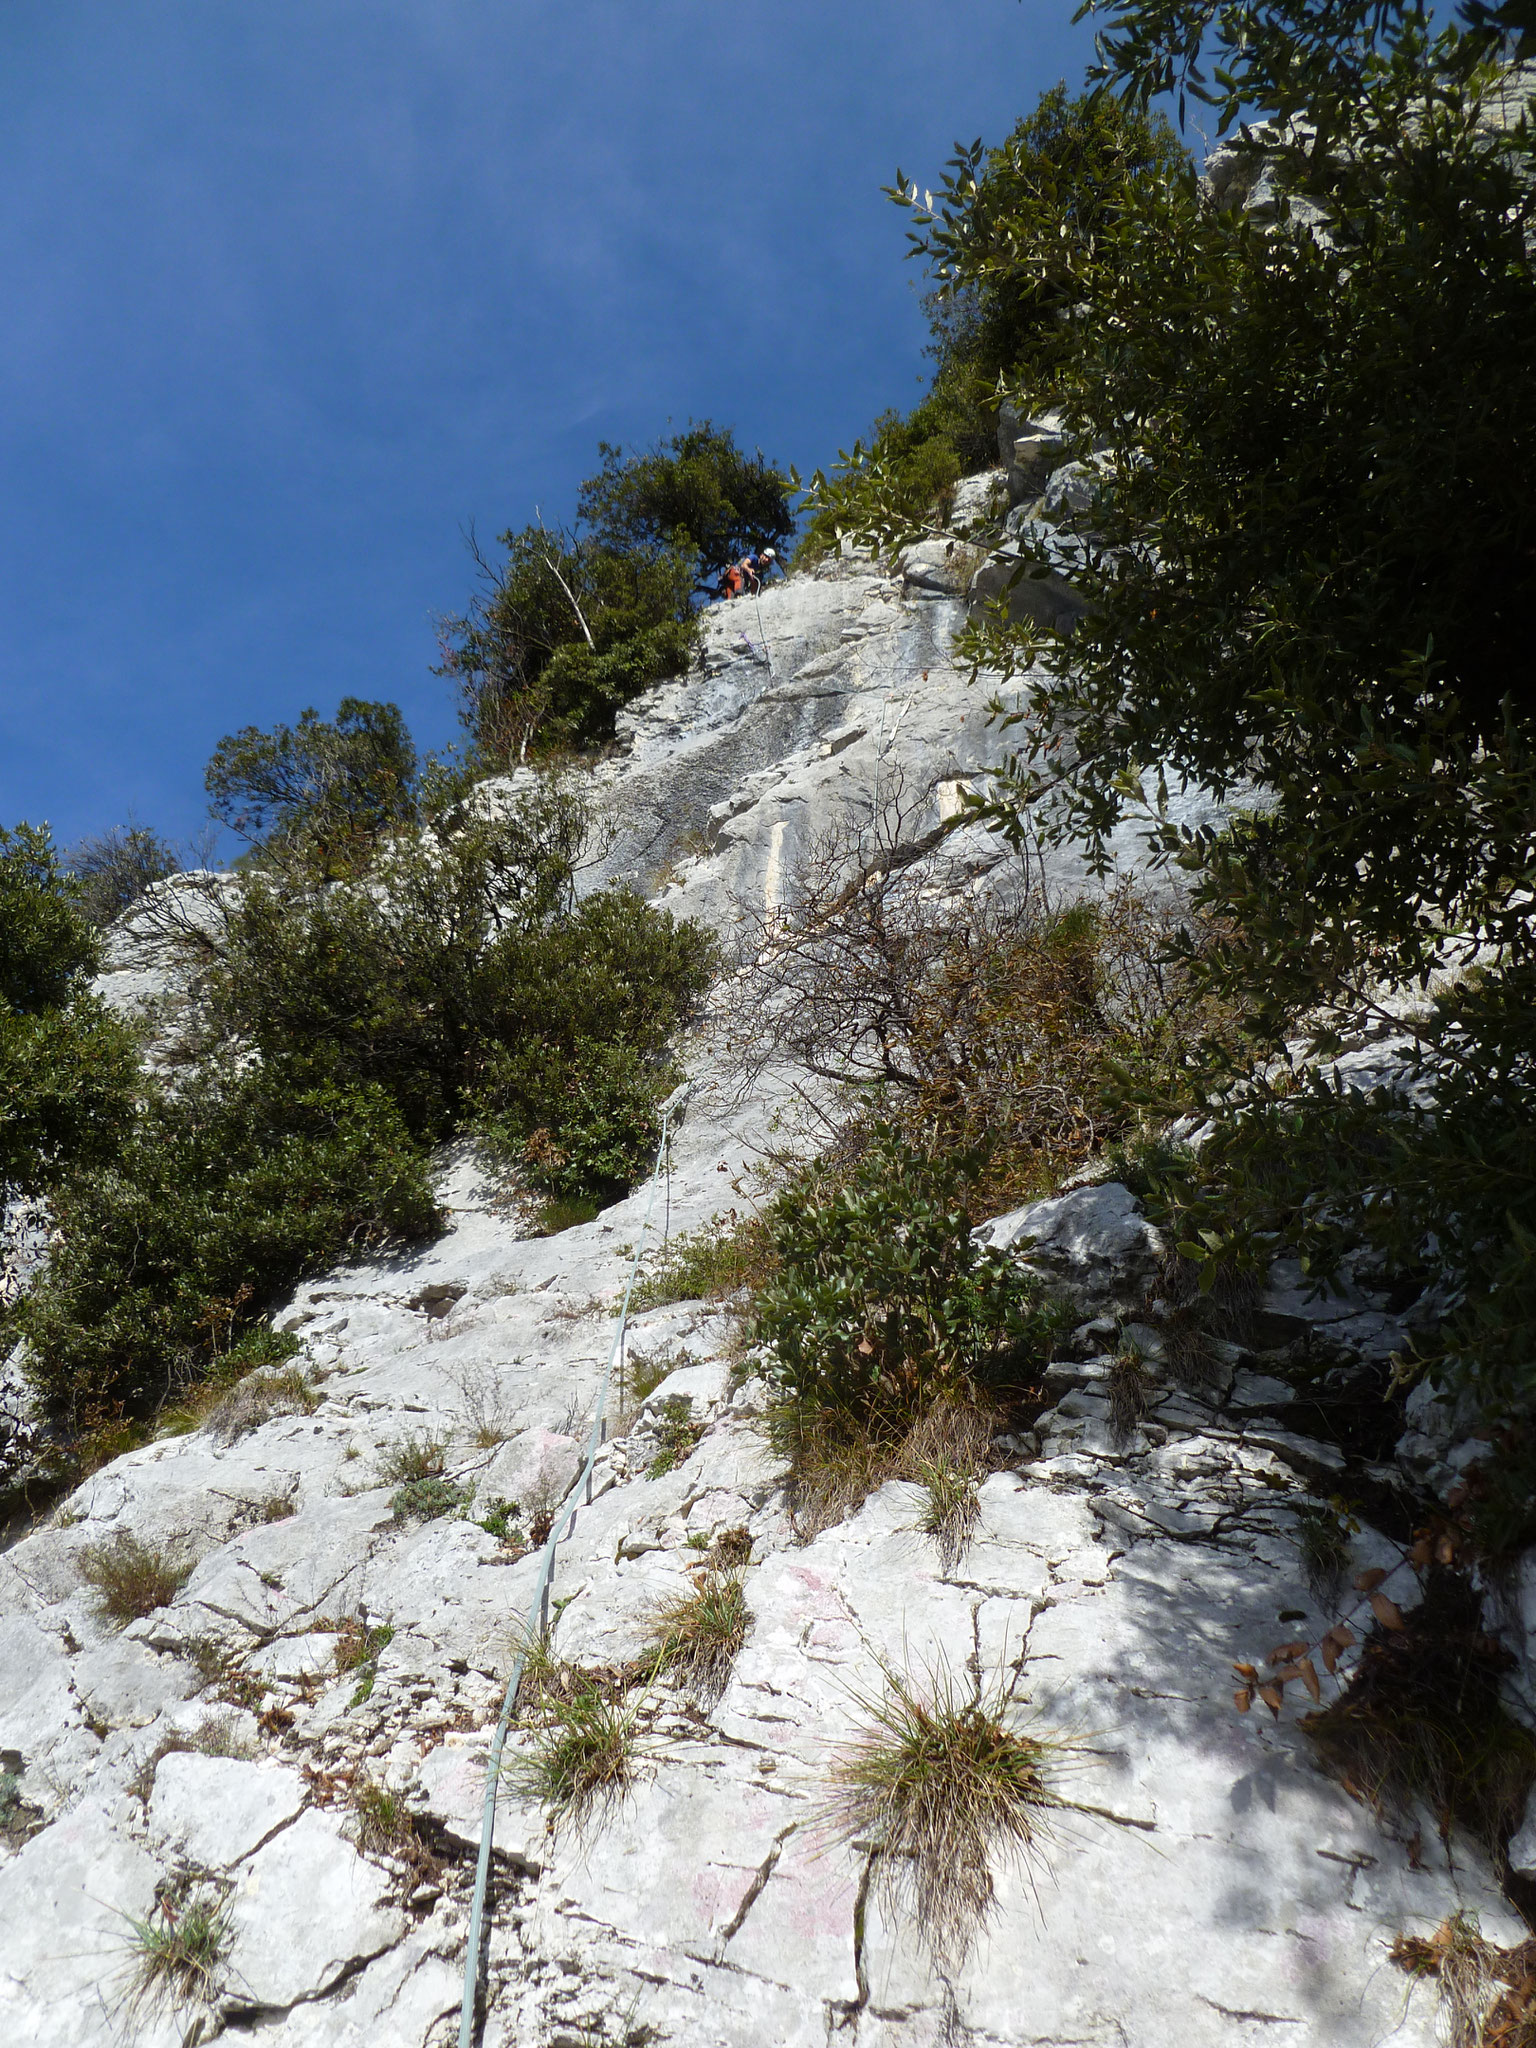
428,1500
68,1067
225,1194
882,1303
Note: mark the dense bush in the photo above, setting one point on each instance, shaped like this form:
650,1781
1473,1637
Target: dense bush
460,976
698,484
67,1067
882,1302
222,1196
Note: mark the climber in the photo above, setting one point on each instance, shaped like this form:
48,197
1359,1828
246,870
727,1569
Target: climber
767,562
731,581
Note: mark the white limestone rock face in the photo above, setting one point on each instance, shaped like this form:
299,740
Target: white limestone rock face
307,1909
1207,1888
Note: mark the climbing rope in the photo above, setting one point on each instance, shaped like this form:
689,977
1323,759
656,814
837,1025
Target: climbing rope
670,1110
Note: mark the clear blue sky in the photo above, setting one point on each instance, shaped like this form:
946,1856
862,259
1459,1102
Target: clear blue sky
296,289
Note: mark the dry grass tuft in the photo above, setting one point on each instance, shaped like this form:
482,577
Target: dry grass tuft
698,1635
1130,1395
131,1578
383,1825
837,1460
258,1398
940,1788
1474,2011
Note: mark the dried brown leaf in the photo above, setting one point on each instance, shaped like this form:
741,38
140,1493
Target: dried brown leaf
1242,1699
1367,1581
1284,1652
1273,1696
1310,1679
1386,1611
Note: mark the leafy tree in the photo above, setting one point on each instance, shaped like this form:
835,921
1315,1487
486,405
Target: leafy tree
1000,310
330,788
67,1066
1312,566
579,620
698,486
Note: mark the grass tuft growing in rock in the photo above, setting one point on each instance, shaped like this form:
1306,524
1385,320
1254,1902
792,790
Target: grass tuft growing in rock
951,1507
427,1500
176,1956
131,1579
258,1398
941,1787
584,1741
697,1636
707,1264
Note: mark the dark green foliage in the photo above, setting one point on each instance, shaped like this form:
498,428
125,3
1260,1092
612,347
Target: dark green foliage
68,1068
698,485
221,1197
1313,571
882,1303
999,313
577,1019
458,976
565,632
46,943
578,620
115,868
330,788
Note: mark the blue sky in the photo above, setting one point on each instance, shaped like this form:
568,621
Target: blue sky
296,290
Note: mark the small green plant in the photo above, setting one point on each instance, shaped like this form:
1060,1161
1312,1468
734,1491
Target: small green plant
951,1507
503,1519
697,1636
428,1500
131,1579
177,1950
941,1785
18,1817
584,1739
564,1212
358,1648
719,1259
676,1433
419,1455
